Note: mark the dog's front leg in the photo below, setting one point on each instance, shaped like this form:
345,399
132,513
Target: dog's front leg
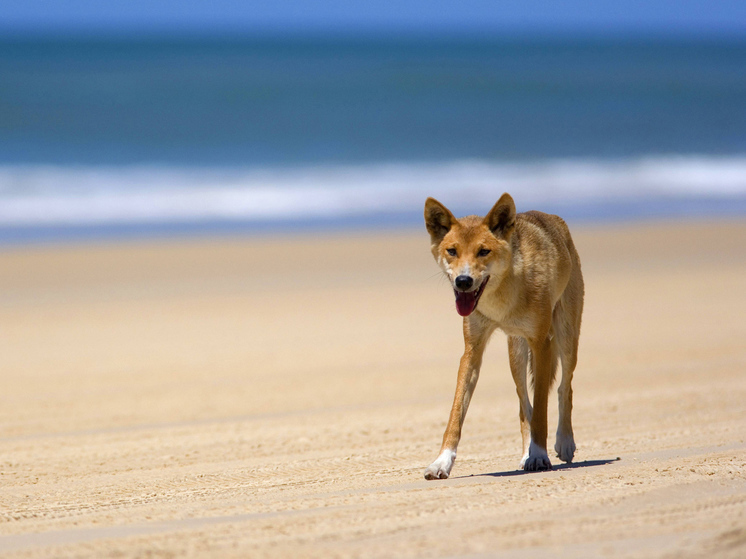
544,368
477,330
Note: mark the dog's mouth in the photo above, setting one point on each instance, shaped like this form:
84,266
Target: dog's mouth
466,302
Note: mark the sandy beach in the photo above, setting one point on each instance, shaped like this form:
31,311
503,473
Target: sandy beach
281,398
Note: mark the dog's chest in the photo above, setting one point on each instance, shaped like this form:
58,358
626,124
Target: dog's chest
506,315
503,313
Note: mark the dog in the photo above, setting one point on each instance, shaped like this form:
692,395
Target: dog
519,273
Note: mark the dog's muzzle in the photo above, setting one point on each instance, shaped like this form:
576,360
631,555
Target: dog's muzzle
466,301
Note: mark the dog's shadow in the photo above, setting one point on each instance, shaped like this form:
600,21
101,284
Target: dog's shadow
570,466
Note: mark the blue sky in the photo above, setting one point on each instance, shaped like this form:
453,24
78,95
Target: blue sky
701,17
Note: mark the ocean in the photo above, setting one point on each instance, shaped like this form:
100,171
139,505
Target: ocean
174,135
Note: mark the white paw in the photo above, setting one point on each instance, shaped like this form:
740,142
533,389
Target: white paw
524,459
536,460
441,468
565,447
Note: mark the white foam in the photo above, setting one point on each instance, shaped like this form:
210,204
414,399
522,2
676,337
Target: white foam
46,195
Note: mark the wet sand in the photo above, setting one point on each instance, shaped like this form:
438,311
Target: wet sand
282,397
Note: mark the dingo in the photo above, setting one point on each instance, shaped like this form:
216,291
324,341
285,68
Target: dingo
521,274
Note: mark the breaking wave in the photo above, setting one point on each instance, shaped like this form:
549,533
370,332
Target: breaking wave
33,196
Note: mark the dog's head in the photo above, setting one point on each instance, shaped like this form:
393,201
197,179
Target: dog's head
471,250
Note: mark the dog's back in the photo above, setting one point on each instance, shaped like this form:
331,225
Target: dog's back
537,230
544,240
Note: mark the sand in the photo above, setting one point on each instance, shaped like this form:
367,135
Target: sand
282,397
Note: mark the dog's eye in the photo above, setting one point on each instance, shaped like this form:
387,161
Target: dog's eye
451,251
483,252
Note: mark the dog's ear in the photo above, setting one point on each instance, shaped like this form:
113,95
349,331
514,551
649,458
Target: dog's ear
501,219
438,219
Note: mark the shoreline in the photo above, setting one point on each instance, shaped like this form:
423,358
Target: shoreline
645,211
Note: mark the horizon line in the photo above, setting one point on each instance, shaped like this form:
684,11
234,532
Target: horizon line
370,32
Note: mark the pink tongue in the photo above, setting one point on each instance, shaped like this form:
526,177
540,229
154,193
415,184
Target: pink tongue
465,302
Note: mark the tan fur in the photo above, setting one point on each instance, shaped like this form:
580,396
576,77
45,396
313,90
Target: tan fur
534,293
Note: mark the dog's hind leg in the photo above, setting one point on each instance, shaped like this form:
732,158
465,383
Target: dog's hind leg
565,442
477,331
566,321
519,356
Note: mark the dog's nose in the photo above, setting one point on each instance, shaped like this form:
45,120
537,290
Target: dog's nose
464,282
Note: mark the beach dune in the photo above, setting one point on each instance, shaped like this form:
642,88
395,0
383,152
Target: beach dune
282,397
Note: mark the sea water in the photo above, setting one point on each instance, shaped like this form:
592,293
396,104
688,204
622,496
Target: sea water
129,135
